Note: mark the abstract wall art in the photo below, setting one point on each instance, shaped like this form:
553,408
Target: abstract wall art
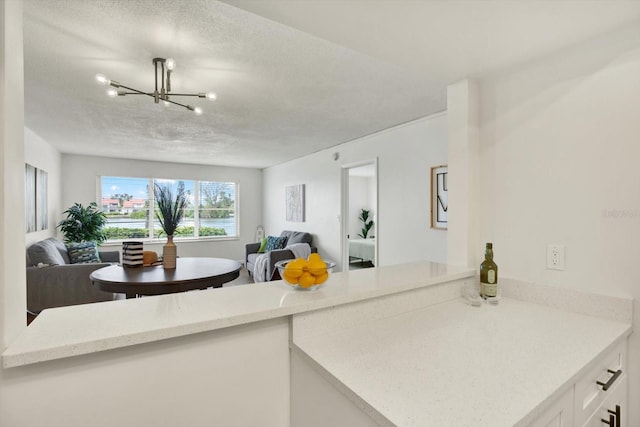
294,199
439,198
35,199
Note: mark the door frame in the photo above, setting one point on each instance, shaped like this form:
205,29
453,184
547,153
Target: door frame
344,209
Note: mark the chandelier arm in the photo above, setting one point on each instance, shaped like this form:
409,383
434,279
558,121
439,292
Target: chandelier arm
139,92
162,89
199,95
188,107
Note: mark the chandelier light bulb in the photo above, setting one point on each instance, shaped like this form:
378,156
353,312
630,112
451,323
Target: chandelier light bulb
212,96
170,63
166,103
102,79
112,92
197,110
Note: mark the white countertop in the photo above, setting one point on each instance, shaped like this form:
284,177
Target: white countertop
83,329
452,364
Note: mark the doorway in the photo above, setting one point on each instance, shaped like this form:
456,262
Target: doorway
360,215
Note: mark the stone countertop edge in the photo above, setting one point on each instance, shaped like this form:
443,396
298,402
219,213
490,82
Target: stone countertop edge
341,362
89,328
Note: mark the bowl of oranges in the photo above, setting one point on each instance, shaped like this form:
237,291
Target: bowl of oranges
306,274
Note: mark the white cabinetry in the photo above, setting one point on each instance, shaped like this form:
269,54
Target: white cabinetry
597,399
606,377
559,414
613,410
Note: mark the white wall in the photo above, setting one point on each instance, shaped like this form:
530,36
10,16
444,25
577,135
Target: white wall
560,164
79,181
39,153
405,155
462,194
13,292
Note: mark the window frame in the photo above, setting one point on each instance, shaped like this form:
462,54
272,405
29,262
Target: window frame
194,207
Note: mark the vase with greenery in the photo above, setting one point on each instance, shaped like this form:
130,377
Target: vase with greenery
170,211
366,223
83,224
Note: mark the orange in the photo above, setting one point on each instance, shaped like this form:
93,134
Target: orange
322,278
314,256
293,279
295,268
306,280
317,267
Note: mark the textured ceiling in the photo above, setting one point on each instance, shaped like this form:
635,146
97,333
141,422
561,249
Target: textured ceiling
313,75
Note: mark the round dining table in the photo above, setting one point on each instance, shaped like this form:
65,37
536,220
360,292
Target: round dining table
190,273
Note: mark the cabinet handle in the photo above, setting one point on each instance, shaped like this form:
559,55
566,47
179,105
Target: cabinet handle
614,377
611,422
615,414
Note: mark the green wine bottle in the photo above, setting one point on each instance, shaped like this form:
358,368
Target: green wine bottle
488,274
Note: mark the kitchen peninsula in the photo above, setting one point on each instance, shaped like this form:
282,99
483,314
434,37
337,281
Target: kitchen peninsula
393,345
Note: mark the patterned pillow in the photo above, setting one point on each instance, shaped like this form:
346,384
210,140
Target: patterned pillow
274,242
83,253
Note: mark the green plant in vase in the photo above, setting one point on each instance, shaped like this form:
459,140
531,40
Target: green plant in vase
170,211
366,223
83,224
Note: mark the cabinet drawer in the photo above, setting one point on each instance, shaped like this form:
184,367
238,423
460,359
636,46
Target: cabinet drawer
613,411
589,395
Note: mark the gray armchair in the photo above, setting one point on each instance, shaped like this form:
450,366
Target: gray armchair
59,283
251,252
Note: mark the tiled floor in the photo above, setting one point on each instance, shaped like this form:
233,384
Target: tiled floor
243,279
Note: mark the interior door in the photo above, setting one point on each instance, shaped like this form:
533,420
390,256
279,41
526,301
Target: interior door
359,199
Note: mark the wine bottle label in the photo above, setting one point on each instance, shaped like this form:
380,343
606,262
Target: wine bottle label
489,289
491,276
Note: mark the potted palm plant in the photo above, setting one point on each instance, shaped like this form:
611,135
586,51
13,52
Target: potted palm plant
169,211
366,223
83,224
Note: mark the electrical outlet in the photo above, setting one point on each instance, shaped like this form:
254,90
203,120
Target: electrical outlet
555,257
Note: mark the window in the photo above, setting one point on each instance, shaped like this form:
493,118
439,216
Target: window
216,208
128,204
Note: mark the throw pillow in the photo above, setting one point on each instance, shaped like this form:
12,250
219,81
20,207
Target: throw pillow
83,253
274,242
45,252
298,237
263,245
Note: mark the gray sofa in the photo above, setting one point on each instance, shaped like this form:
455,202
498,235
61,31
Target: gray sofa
59,283
251,252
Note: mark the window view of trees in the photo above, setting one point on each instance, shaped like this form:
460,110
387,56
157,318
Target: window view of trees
127,203
216,200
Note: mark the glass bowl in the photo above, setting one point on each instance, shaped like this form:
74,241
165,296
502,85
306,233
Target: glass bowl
304,275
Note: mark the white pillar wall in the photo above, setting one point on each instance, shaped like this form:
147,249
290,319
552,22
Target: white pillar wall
12,246
463,148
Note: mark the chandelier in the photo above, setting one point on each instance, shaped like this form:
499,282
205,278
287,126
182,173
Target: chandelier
163,69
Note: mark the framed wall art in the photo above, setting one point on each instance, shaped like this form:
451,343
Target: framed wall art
42,194
35,199
294,199
439,198
29,198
